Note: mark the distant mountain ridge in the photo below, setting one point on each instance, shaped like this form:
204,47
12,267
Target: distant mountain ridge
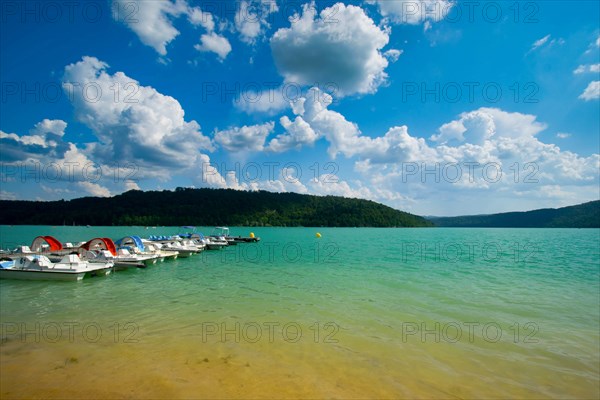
211,207
208,207
586,215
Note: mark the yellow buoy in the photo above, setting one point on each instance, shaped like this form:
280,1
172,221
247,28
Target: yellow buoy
318,235
252,235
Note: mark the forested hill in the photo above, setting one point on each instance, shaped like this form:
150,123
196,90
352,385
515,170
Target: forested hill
207,207
586,215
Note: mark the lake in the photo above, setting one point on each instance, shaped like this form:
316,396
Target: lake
357,313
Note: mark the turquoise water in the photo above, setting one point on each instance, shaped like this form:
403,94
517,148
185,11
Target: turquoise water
358,313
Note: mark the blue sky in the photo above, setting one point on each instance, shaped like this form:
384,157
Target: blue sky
435,107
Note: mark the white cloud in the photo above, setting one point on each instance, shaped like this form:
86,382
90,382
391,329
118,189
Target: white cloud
198,17
397,145
130,185
52,161
545,41
482,136
323,185
210,41
342,135
587,68
246,138
393,54
332,185
287,181
298,134
151,21
540,42
345,138
247,22
478,126
142,126
427,26
4,195
562,135
215,43
414,12
591,92
593,46
44,141
251,18
207,174
55,126
57,191
269,101
71,170
345,53
94,189
487,140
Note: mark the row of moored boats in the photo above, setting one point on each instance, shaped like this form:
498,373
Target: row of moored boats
49,259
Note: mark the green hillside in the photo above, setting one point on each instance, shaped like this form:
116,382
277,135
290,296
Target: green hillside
208,207
586,215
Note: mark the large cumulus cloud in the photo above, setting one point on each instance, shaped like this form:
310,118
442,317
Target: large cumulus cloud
341,46
133,123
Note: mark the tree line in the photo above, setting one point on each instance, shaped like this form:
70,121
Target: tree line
207,207
586,215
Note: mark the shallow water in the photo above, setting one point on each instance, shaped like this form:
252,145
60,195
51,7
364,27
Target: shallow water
358,313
